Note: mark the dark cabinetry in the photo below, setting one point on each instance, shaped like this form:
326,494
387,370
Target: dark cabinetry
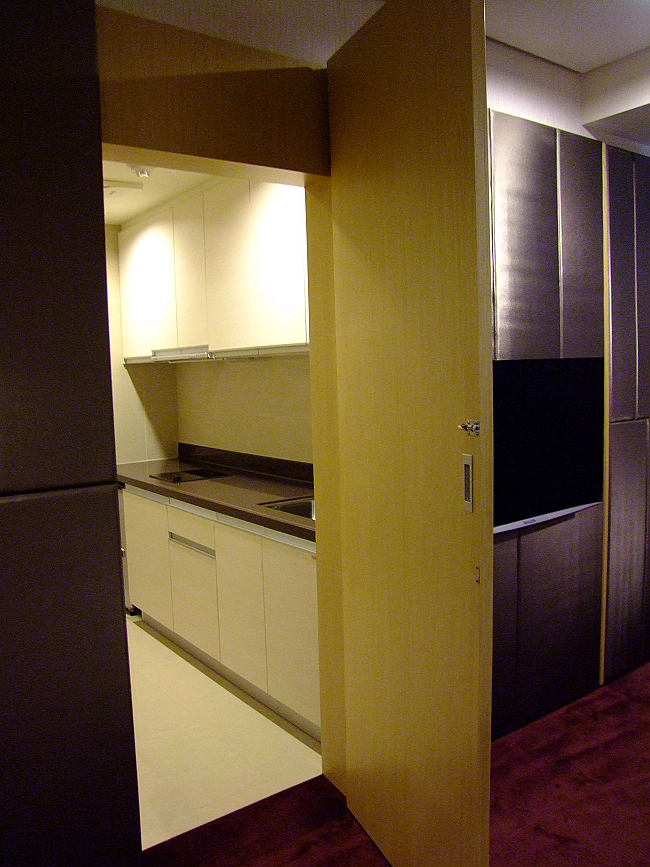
548,241
547,216
547,592
627,642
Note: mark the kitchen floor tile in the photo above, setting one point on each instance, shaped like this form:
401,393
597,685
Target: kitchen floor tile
201,752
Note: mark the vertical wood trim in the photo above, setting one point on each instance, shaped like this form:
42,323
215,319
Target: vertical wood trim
411,295
325,432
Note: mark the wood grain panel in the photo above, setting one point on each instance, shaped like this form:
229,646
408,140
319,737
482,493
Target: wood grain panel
504,647
412,330
642,196
580,185
628,459
525,231
560,577
622,285
165,89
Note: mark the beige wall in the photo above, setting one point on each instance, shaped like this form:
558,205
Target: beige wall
259,406
144,396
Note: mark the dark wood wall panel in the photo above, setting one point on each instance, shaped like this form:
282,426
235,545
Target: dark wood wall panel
581,245
560,571
642,203
627,542
504,649
525,227
620,169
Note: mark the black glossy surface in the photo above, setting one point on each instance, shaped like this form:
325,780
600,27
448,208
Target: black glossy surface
184,475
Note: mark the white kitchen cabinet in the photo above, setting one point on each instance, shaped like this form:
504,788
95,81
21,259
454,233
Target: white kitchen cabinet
277,305
223,268
240,588
147,555
189,264
255,266
194,579
147,285
227,262
291,609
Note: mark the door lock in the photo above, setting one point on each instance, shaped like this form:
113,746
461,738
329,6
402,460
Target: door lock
471,428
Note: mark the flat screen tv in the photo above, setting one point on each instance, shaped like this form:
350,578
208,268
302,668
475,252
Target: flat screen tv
548,438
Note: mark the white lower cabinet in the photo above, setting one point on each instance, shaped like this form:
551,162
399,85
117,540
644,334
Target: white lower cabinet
147,552
194,580
240,585
246,598
291,608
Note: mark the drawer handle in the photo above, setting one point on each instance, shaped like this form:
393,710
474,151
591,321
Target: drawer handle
194,546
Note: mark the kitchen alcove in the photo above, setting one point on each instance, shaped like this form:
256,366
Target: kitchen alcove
250,403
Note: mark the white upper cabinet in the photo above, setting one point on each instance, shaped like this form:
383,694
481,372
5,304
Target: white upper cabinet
147,285
227,262
189,270
256,266
277,305
222,269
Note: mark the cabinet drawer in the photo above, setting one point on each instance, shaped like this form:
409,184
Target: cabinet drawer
191,527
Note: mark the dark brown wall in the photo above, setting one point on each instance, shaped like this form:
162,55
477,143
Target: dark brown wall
67,782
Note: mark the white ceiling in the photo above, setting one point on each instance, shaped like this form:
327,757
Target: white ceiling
578,34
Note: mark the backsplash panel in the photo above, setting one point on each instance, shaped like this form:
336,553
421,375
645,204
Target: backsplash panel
260,406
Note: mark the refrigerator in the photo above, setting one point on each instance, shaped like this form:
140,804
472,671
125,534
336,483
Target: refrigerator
68,777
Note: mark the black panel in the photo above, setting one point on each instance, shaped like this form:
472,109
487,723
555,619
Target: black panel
504,649
560,578
548,436
525,228
56,427
628,469
581,210
623,293
68,785
642,196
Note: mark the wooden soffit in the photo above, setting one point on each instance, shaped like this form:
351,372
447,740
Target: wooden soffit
170,90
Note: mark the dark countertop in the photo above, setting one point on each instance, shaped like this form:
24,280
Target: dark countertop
237,495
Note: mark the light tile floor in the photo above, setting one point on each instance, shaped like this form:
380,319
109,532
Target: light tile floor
201,751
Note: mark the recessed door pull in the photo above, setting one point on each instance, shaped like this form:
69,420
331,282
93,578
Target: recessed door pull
471,428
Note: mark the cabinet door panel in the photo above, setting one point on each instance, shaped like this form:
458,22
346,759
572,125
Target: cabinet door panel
623,293
504,648
276,310
627,526
581,209
136,337
189,265
525,227
240,589
292,627
194,597
642,193
147,552
560,579
227,262
157,243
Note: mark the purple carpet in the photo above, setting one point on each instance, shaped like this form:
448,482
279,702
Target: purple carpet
574,787
308,825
